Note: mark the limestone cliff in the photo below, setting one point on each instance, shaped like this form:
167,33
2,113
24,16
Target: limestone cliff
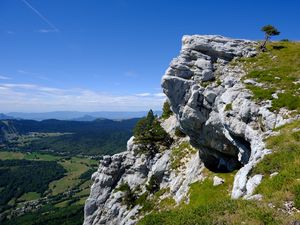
214,109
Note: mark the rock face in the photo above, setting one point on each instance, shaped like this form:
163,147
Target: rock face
213,108
133,167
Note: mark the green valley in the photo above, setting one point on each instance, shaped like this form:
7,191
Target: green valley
36,183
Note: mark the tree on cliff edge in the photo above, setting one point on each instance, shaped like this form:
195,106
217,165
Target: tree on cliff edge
269,32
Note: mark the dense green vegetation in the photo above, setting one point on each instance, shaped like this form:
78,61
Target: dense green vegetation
212,204
70,215
67,137
40,162
149,131
65,194
20,176
278,70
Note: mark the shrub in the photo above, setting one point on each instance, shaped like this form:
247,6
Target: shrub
179,133
129,197
228,107
153,185
166,110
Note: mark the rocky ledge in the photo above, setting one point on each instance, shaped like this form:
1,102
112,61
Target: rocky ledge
214,109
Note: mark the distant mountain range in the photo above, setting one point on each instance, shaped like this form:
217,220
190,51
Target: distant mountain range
75,116
5,117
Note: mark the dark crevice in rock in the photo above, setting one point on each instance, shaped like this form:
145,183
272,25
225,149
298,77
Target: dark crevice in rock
219,162
243,144
215,54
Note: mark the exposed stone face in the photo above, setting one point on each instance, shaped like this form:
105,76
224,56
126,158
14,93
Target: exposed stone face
105,205
214,108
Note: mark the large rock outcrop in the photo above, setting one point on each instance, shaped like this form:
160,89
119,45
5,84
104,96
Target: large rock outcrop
135,168
214,109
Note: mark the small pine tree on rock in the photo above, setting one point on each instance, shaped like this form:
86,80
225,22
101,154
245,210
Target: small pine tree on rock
166,110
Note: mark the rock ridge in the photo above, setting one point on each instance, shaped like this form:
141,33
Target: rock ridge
213,108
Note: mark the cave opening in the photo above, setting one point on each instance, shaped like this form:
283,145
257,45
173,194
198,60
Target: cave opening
219,162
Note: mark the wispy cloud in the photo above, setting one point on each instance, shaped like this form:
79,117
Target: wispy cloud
160,95
4,77
46,31
33,97
36,75
42,17
143,94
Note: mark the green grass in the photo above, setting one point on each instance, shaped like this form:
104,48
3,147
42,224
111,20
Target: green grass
153,202
29,196
286,161
179,153
6,155
75,167
41,156
213,205
277,69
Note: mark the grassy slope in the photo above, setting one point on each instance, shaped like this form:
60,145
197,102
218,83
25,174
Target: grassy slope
75,167
212,205
277,69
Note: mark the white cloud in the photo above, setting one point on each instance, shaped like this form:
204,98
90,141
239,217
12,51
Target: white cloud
46,30
143,94
24,86
4,77
159,95
36,98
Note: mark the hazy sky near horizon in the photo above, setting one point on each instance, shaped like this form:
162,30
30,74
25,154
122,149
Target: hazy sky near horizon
92,55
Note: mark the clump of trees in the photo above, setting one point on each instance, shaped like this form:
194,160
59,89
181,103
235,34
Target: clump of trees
269,31
149,131
21,176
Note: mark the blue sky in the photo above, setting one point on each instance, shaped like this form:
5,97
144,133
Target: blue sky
93,55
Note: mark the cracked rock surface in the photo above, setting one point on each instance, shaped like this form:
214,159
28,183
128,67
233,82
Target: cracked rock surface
214,108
